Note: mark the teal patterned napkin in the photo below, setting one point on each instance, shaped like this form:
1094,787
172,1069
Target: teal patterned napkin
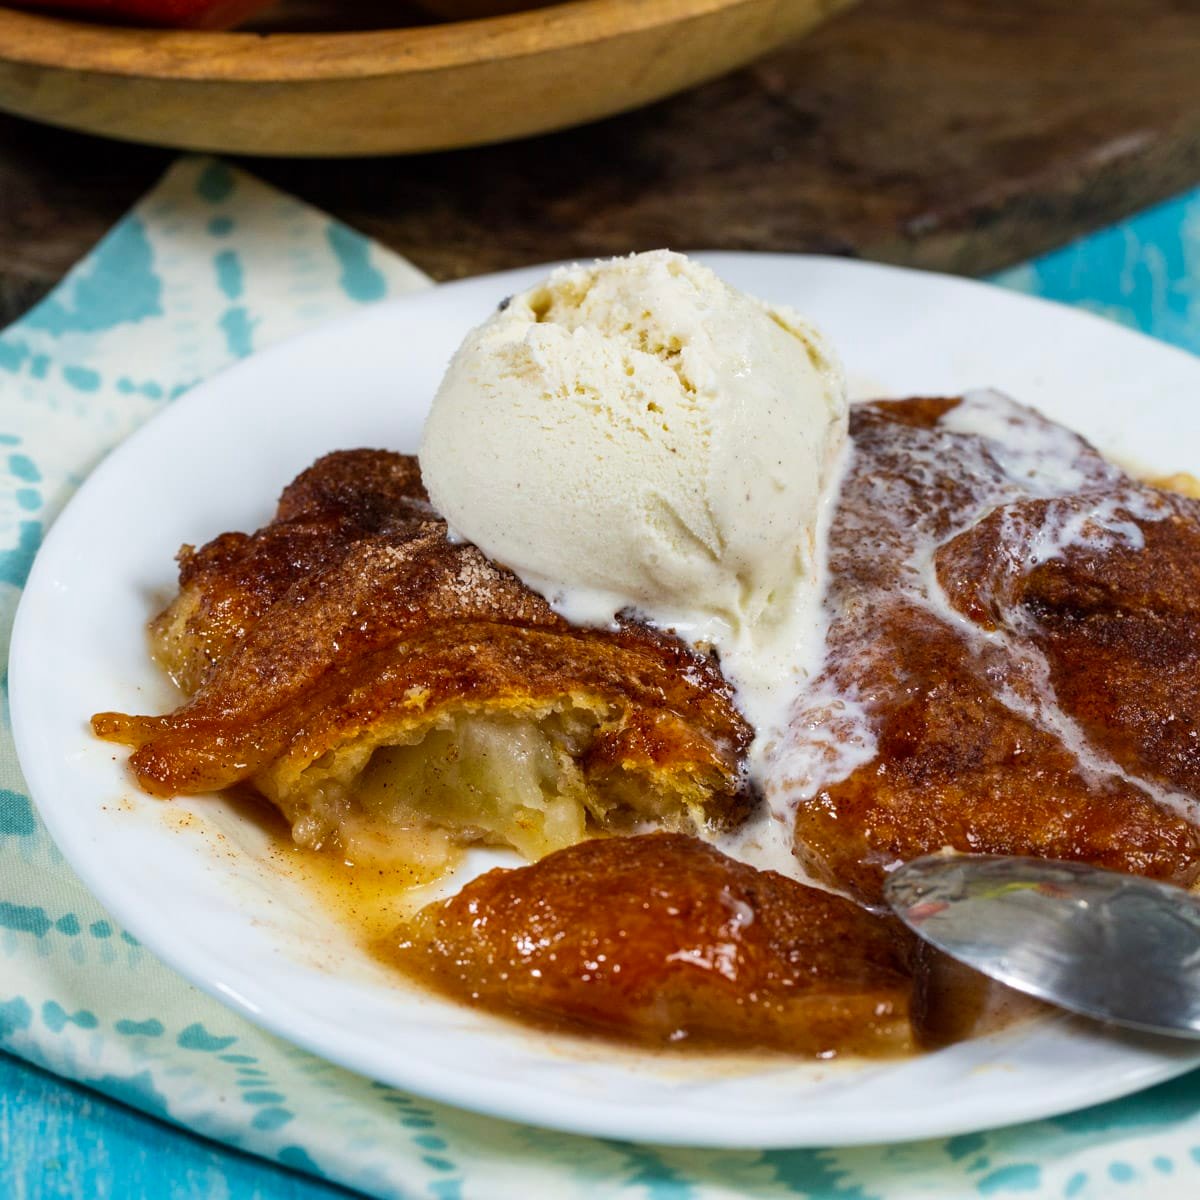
212,266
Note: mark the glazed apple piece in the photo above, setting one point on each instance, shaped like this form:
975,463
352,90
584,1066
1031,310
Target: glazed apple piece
660,939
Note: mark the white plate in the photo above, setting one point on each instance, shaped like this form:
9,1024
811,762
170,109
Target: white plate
217,459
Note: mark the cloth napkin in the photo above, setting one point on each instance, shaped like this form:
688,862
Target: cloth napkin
209,267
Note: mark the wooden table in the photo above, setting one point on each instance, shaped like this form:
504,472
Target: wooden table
961,135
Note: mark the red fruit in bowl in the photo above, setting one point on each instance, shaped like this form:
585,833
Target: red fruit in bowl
190,14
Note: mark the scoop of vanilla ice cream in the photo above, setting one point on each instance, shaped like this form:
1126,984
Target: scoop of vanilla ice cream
637,434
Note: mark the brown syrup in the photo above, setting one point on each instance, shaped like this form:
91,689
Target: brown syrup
369,901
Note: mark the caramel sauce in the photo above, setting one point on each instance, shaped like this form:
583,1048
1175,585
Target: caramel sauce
953,1002
369,901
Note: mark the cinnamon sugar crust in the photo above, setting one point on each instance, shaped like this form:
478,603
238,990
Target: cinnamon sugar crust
1023,667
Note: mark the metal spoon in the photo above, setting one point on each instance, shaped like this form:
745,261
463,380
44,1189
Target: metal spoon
1116,947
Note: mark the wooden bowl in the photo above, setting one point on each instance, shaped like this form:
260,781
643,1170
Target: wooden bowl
382,91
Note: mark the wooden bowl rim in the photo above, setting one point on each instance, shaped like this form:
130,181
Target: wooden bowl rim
33,39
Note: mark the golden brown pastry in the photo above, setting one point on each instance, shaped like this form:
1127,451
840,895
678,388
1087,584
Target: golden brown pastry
1044,711
377,681
1116,620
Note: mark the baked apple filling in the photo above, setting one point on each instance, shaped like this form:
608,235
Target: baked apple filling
534,780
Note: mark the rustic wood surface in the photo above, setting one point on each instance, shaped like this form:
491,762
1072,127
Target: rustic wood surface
955,134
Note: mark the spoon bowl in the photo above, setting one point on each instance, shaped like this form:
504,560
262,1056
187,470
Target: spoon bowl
1119,948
